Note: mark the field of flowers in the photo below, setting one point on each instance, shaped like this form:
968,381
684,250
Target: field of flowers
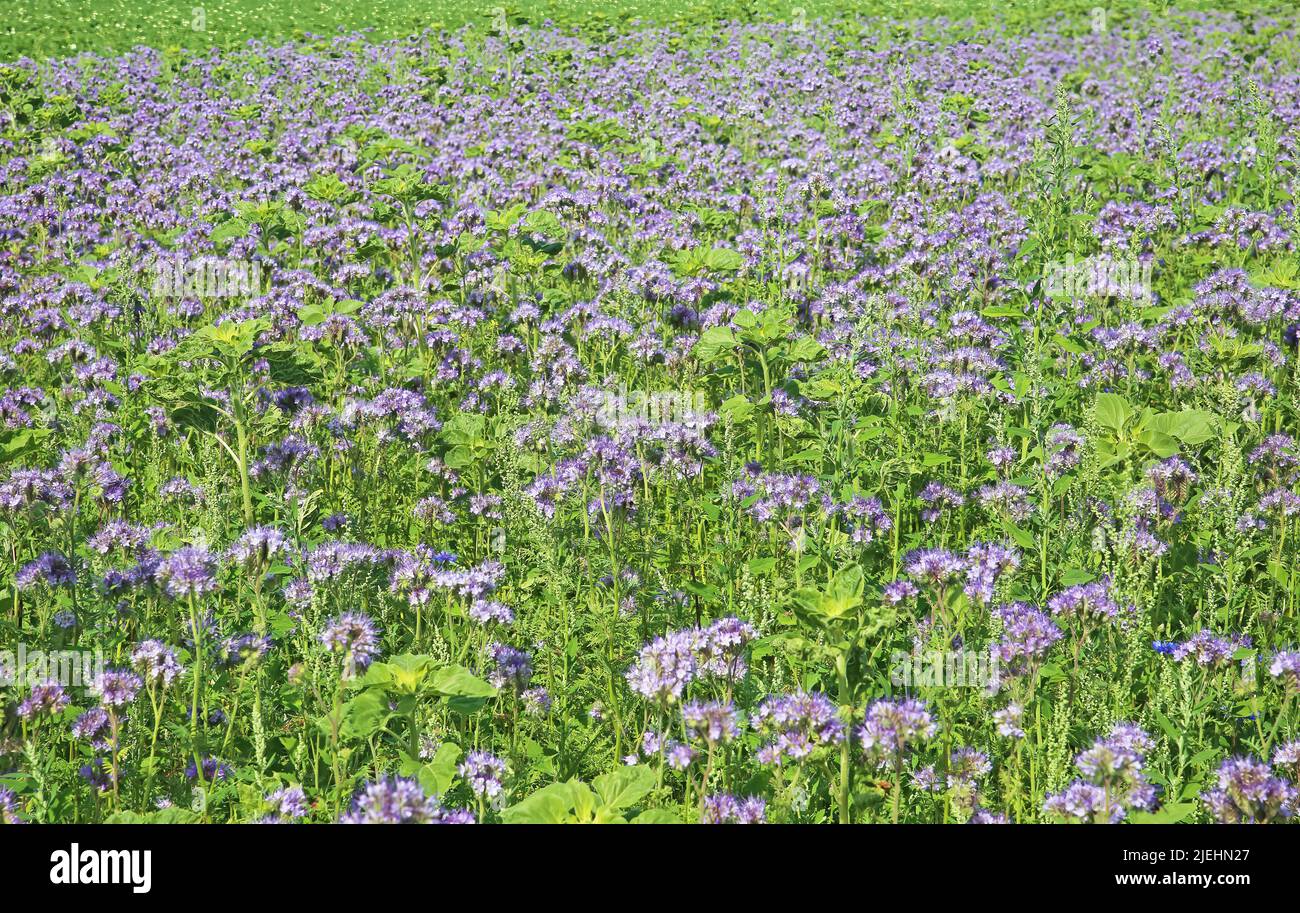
786,420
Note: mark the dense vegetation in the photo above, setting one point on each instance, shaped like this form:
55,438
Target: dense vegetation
790,420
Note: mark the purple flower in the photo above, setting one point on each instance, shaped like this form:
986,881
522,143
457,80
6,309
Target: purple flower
483,772
721,648
353,635
934,566
256,547
1008,720
1208,650
665,667
98,774
400,801
968,764
244,648
537,701
715,723
116,687
188,572
1085,601
51,568
156,662
484,611
1287,758
679,755
1113,781
510,667
9,807
1286,667
45,699
899,591
290,802
939,498
1027,636
927,780
985,564
212,769
1006,498
795,725
1084,802
892,726
727,809
1249,793
91,724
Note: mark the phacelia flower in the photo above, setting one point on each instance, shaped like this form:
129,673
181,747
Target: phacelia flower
892,726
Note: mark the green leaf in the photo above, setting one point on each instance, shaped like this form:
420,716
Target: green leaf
1075,576
805,348
738,407
549,805
229,231
1190,426
173,815
365,714
1167,727
658,816
1162,445
459,457
1170,814
723,260
845,590
624,787
1023,537
1112,411
465,428
702,590
841,596
329,188
436,777
1069,345
457,681
403,674
715,343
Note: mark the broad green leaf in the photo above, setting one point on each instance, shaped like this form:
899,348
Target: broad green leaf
1112,411
715,343
365,714
1162,445
658,816
457,681
738,407
723,260
624,787
549,805
1169,814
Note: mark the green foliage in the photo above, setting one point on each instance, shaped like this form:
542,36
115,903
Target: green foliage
608,800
